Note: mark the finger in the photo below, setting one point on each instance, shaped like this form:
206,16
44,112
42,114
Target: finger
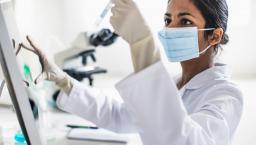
126,1
38,51
115,22
115,9
114,12
119,2
19,48
32,44
41,77
14,46
28,48
26,83
119,17
13,43
39,55
120,11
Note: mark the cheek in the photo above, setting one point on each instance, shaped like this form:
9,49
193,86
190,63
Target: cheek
201,41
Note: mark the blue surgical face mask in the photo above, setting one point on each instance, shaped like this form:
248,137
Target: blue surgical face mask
181,44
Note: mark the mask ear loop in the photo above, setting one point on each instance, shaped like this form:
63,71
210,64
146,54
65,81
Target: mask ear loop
206,29
205,49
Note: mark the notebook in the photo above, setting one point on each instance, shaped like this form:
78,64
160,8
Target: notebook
101,135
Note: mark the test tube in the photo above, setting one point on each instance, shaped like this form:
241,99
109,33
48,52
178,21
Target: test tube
103,14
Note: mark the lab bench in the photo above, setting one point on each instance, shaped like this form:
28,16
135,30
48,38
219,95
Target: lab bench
56,129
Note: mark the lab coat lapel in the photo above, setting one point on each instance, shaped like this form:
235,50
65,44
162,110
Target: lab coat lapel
219,71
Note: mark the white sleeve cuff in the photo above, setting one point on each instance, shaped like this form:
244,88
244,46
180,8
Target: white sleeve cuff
64,100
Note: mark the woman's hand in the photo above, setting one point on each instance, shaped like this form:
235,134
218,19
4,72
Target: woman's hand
128,21
50,71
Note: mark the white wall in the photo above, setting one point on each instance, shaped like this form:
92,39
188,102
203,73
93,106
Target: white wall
117,57
64,19
81,16
240,53
40,19
245,134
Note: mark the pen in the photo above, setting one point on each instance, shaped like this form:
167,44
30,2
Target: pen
80,126
2,87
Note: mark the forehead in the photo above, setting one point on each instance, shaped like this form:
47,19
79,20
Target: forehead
177,6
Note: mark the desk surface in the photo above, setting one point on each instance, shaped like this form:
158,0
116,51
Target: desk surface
56,129
57,121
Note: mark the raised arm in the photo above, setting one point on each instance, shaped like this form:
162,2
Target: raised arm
129,23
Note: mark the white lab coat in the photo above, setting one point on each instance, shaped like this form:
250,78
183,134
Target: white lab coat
206,111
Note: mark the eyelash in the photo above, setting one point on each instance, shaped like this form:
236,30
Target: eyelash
167,21
183,22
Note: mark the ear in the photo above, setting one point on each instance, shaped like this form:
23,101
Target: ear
216,36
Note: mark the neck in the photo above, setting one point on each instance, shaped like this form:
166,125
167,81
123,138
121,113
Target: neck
191,69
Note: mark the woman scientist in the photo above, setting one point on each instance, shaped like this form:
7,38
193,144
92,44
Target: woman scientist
202,106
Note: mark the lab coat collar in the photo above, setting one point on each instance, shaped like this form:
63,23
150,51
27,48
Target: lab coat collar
218,71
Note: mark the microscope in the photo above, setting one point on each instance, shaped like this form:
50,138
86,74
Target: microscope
84,47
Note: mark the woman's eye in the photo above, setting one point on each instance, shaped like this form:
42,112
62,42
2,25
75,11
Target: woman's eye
167,21
186,22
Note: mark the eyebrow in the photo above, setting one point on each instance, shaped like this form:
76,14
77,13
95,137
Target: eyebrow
184,14
168,14
179,15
